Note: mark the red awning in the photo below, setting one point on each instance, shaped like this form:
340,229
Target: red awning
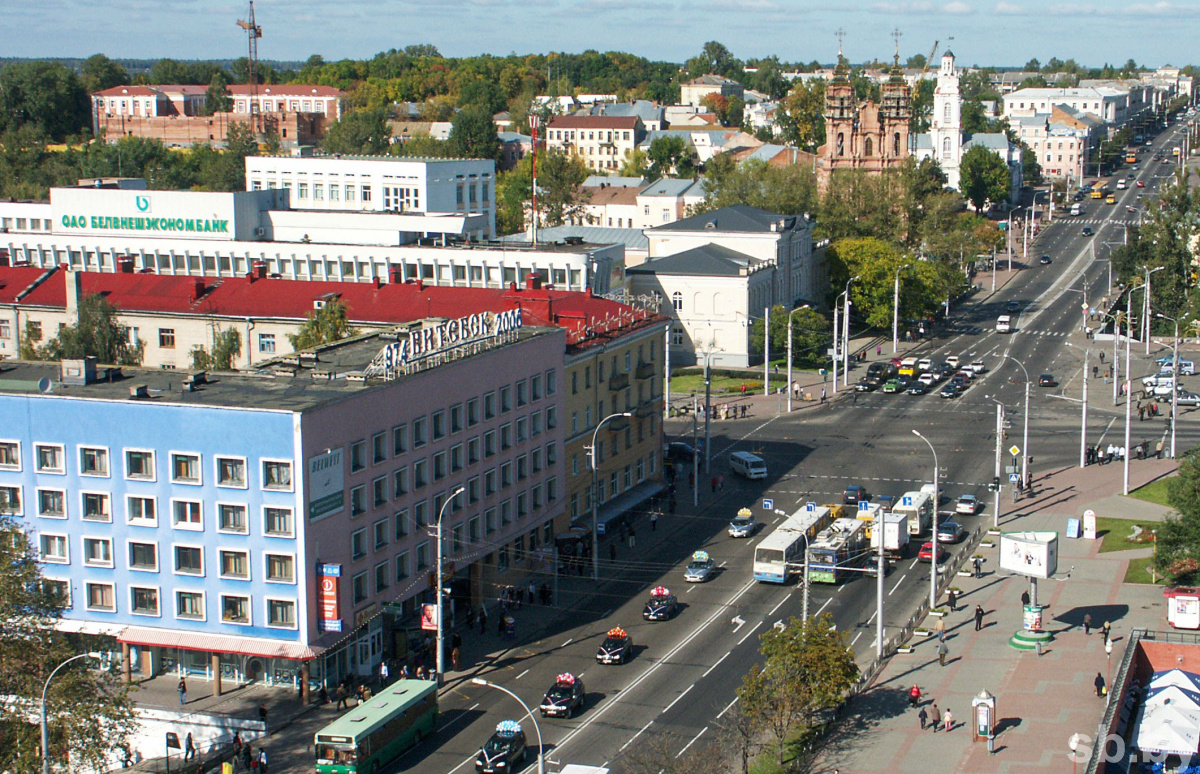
216,643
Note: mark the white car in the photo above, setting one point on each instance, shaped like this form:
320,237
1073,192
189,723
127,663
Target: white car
927,379
925,364
952,361
967,504
1160,379
977,366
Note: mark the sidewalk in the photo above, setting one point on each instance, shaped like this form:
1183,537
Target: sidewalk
1041,700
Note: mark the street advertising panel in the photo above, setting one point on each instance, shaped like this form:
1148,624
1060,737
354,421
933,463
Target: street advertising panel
1032,554
328,580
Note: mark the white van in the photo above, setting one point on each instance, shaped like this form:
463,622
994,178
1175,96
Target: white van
1004,324
748,465
1076,209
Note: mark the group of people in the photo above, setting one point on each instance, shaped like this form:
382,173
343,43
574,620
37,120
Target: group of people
933,717
1103,455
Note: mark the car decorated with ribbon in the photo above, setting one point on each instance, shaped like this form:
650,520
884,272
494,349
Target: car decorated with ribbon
662,605
700,568
565,697
505,751
617,647
743,525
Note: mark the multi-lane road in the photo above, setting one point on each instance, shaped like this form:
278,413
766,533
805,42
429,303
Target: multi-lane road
686,671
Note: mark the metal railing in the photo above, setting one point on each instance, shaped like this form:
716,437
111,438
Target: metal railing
1116,700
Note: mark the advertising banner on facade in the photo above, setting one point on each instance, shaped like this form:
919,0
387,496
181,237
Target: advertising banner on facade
429,617
328,582
326,484
178,214
1033,554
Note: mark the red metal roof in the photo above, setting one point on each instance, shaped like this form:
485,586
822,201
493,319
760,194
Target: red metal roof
14,280
131,91
132,292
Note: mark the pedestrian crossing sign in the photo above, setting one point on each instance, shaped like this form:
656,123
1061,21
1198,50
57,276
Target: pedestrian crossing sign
1014,478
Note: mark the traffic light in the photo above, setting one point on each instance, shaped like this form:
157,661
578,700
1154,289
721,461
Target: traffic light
994,486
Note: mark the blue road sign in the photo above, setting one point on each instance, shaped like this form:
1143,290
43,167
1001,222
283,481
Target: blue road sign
1014,478
768,504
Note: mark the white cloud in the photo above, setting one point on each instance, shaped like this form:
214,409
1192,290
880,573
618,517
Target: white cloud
918,6
958,7
1009,9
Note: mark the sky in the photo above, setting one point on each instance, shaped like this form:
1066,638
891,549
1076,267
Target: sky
982,32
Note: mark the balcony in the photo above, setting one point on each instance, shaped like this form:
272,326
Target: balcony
617,424
618,381
644,371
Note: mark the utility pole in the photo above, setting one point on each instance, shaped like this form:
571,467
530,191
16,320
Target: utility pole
766,351
1083,421
999,435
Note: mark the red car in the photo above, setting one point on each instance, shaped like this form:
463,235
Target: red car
1141,184
926,553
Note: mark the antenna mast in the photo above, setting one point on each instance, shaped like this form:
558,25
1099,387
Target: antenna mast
253,33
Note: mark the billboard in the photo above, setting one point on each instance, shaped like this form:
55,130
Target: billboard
1033,554
329,617
326,484
178,214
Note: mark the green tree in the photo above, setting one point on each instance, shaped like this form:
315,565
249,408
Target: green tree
513,192
323,326
789,190
226,346
1177,552
216,96
636,163
1032,66
90,713
473,135
714,59
100,73
984,177
485,94
671,155
807,671
423,50
225,170
875,263
1031,170
360,132
801,115
811,335
46,96
97,333
860,204
560,187
916,62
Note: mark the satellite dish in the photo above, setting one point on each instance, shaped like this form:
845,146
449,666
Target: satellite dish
45,386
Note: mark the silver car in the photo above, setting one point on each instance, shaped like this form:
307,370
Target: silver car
1185,398
700,568
743,525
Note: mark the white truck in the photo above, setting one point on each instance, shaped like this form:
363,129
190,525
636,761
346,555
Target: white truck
895,535
918,509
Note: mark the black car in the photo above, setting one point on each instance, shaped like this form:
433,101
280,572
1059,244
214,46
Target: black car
855,494
565,697
1013,306
505,751
617,647
867,384
1045,259
1087,231
1078,197
662,605
680,452
917,388
951,390
1047,380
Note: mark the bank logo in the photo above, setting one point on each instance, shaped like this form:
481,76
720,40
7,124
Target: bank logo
143,203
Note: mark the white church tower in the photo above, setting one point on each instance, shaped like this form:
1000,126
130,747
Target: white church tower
946,128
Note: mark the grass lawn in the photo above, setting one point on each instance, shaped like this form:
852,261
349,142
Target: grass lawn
1114,534
1154,492
1139,572
725,385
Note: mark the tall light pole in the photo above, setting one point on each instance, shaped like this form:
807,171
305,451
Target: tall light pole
933,566
896,307
837,339
1084,403
846,336
1174,377
766,350
1125,455
999,435
528,713
439,662
591,450
45,722
1146,304
1025,431
1116,362
789,355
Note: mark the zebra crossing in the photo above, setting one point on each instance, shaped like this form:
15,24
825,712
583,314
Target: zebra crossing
1097,221
977,330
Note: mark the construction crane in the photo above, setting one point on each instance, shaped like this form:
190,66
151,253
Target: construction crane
253,32
925,69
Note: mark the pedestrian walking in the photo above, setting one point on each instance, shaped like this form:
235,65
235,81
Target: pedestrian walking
914,696
977,564
1087,624
1101,357
714,484
878,350
404,672
654,522
262,713
952,600
978,618
482,621
323,695
1141,413
1107,632
237,744
632,539
456,640
383,673
421,673
939,628
262,760
247,756
342,695
942,652
1095,371
362,693
1099,683
182,688
189,747
923,716
455,655
822,394
935,716
948,719
1024,598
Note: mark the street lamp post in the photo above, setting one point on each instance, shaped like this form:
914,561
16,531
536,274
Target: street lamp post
1087,353
789,355
528,713
45,722
1174,377
1025,430
595,478
1146,304
999,436
846,337
440,658
933,566
896,307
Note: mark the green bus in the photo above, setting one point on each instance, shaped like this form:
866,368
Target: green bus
375,733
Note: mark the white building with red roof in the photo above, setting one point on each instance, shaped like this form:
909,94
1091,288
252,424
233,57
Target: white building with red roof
601,141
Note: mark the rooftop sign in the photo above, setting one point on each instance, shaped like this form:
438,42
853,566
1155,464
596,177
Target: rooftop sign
451,339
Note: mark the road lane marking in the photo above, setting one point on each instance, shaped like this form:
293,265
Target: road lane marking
825,605
785,599
747,634
856,638
689,744
635,736
902,577
714,666
568,642
727,707
518,677
677,698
